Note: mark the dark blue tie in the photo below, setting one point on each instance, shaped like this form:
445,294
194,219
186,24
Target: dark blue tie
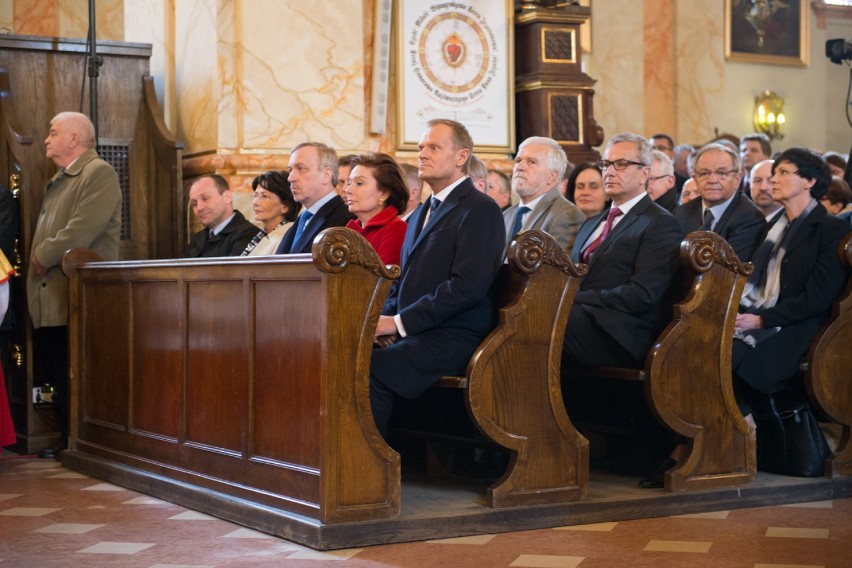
519,220
433,206
300,228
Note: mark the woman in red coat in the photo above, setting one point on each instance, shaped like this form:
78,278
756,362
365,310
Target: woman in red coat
376,193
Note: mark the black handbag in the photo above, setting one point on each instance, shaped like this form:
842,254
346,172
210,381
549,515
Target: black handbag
789,440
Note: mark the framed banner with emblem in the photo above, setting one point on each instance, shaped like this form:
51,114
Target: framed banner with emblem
454,60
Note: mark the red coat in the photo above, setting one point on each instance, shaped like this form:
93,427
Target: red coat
385,232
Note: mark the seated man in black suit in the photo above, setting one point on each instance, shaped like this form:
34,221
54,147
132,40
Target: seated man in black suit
632,250
226,232
439,310
616,314
313,178
722,209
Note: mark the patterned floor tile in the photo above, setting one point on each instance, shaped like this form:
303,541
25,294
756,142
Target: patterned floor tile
677,546
709,515
68,528
104,487
812,505
474,539
28,512
790,532
117,547
192,516
596,527
146,501
542,561
329,555
246,533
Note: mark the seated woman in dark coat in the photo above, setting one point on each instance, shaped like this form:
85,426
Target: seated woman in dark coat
797,278
376,193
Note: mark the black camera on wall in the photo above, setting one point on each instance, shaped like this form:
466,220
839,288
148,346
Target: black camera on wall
838,50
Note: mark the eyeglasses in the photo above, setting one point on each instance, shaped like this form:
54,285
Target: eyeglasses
260,197
619,165
655,178
721,174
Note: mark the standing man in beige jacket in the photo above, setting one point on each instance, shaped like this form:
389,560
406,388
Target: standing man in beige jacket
81,208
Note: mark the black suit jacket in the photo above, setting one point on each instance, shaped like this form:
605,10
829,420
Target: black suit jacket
811,280
668,200
741,224
629,274
231,241
442,294
335,213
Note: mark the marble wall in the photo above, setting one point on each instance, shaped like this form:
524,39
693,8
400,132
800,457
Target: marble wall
242,81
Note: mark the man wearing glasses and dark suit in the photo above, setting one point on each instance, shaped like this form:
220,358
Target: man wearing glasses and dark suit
632,250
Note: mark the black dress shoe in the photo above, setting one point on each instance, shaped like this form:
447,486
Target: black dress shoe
655,480
51,453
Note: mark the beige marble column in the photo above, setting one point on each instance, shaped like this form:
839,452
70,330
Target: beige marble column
659,67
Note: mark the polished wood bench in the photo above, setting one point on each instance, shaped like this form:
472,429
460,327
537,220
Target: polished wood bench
512,383
687,373
236,386
828,372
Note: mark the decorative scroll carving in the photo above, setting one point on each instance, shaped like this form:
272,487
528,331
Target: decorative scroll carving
703,249
530,249
335,248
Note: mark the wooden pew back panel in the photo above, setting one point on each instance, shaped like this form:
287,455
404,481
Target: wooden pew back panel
829,379
514,394
247,376
689,369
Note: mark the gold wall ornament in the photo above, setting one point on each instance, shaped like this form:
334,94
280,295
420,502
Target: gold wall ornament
768,116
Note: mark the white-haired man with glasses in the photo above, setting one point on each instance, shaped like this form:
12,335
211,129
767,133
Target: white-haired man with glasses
721,209
632,250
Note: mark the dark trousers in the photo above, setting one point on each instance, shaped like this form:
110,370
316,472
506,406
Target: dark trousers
50,366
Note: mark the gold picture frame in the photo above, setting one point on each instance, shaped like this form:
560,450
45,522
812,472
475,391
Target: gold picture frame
773,33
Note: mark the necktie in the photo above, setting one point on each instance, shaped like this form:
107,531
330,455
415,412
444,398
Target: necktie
519,220
613,213
433,206
303,220
708,220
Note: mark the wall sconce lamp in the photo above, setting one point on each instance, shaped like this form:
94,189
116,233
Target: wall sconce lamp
768,115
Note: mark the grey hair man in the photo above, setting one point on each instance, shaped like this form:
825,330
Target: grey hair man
539,166
722,208
81,208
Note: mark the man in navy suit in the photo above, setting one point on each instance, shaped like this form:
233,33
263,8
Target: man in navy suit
313,177
722,209
439,310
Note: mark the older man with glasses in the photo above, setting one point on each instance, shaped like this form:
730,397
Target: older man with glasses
722,209
631,249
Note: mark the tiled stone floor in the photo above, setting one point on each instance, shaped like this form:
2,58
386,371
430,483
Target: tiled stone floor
53,517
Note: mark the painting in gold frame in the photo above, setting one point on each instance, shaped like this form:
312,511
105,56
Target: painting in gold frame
764,31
